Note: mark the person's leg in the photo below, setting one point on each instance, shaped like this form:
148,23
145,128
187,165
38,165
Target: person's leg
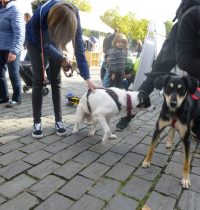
37,89
106,79
38,79
55,80
13,69
4,95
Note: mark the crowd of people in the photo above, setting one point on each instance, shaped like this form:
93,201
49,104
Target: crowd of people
53,25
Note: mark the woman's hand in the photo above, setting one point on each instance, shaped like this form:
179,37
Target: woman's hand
11,57
112,77
91,85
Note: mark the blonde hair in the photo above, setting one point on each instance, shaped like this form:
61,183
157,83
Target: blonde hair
62,24
120,38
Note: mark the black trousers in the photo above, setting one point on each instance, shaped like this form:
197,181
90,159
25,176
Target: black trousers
38,83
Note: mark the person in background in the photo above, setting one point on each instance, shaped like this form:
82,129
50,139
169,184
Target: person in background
138,48
27,17
117,59
107,45
59,22
12,33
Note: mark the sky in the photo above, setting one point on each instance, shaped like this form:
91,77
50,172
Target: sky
156,10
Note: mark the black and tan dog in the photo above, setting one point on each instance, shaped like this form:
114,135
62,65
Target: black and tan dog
178,111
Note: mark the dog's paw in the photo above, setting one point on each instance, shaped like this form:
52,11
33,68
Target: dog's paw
186,183
91,133
145,164
113,136
75,131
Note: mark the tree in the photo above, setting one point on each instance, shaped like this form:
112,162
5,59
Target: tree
82,5
168,26
128,24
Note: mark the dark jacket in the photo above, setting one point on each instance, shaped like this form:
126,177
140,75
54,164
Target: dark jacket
33,36
107,43
188,42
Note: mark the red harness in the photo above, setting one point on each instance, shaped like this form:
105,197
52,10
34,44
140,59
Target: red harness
196,95
129,105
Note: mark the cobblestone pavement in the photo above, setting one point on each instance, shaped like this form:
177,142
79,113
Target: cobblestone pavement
79,173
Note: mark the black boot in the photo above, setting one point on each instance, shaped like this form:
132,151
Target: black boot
123,123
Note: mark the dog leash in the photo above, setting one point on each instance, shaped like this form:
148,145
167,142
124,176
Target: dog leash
41,43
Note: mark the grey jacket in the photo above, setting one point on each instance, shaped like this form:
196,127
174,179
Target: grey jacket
12,28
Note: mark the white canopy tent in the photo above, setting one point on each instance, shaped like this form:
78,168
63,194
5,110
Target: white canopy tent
94,23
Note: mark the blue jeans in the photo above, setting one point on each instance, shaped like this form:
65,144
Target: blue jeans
106,79
13,70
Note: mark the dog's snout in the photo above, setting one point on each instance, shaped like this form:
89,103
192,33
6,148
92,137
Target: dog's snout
173,101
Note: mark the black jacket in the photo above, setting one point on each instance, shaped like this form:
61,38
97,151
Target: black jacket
188,42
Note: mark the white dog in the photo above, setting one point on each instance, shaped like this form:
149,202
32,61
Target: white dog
103,104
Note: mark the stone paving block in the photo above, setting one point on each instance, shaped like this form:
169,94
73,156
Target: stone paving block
33,147
79,147
43,169
148,173
132,159
189,200
56,147
104,189
195,170
10,146
23,201
140,149
174,169
161,148
120,172
92,140
159,159
158,201
63,156
50,139
26,140
109,158
55,202
87,157
95,170
2,200
37,157
69,169
147,140
88,203
132,140
76,187
196,162
136,188
101,148
11,157
120,202
46,186
195,180
14,169
72,139
121,148
15,186
169,186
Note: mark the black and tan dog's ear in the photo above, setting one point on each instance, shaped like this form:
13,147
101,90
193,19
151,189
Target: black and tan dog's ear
160,81
191,83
